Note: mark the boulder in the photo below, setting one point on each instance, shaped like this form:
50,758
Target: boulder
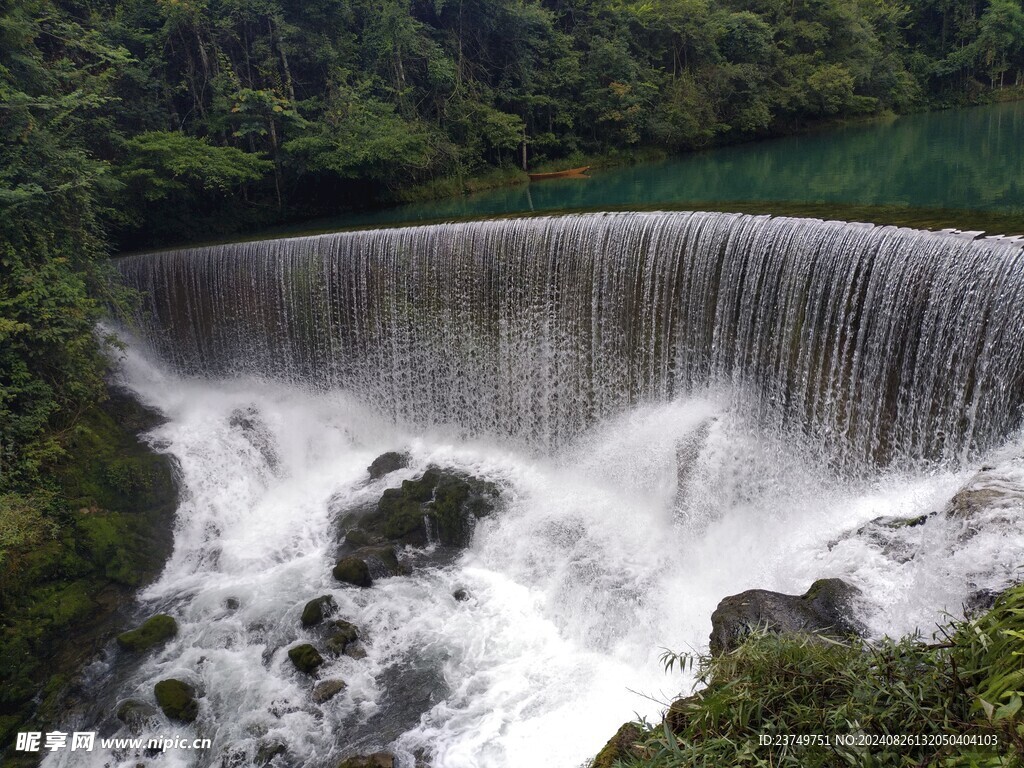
232,603
825,609
306,658
376,760
461,595
136,715
387,463
342,635
353,570
440,505
317,610
268,750
327,690
177,699
621,748
154,631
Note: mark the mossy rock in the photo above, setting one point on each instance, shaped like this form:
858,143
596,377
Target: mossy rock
177,699
353,570
826,609
382,561
387,463
446,501
400,518
376,760
112,510
154,631
620,748
317,610
267,751
136,715
327,690
343,634
306,658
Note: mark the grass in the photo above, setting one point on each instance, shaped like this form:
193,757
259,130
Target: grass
773,686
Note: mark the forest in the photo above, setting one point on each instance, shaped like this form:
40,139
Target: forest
135,123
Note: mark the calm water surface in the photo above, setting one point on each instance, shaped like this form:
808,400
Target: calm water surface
959,168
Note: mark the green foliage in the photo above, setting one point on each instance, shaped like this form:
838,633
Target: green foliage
777,685
161,164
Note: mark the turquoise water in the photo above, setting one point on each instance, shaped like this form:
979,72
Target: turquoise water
952,164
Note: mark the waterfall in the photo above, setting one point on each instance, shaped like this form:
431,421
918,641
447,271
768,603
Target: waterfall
882,344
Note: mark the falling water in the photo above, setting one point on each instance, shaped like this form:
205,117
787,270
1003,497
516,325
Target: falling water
880,343
670,404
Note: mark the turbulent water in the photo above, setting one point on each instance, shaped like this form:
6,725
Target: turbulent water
630,382
883,343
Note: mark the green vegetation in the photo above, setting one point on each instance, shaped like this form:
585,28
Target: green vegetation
177,699
154,631
74,550
970,684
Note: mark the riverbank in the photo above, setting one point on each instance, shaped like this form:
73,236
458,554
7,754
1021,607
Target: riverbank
785,700
73,556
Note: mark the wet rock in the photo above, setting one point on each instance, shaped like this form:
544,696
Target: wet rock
317,610
136,715
460,595
355,651
306,658
232,603
358,538
257,433
177,699
440,505
342,635
980,601
154,631
327,690
678,715
376,760
387,463
267,751
825,609
353,570
382,561
620,748
887,535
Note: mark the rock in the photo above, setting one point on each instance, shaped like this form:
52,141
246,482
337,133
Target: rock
327,690
460,595
355,651
177,699
887,535
439,505
154,631
980,601
824,610
387,463
232,604
678,714
317,610
136,715
267,751
306,658
376,760
357,538
257,433
353,570
974,498
382,561
343,634
620,748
